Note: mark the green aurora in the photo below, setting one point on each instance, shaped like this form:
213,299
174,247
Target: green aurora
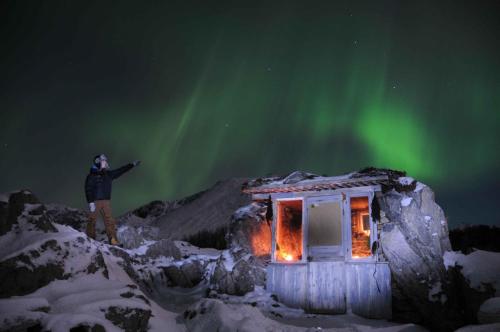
201,92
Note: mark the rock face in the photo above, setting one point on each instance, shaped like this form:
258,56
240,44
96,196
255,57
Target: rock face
413,238
129,319
250,230
209,211
242,267
202,218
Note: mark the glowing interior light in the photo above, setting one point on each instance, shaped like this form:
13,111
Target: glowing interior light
288,257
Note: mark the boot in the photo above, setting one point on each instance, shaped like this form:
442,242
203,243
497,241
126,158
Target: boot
114,242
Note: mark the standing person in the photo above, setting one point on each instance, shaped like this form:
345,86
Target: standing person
98,194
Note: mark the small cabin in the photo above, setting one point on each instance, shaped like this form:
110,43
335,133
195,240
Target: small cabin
324,253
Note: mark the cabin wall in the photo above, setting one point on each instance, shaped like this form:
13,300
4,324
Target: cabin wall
333,287
326,287
369,289
289,283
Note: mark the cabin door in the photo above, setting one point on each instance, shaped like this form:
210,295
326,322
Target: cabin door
324,230
326,290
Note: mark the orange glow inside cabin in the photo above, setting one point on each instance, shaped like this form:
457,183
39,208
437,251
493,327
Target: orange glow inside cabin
360,227
289,231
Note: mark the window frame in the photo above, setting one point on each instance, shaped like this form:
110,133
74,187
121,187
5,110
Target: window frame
325,252
373,226
275,224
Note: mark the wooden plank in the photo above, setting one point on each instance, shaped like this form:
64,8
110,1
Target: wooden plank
326,287
288,283
369,289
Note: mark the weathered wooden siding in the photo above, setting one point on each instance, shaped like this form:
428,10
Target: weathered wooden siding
326,287
289,283
369,289
331,287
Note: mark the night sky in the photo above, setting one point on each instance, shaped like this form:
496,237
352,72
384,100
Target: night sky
202,91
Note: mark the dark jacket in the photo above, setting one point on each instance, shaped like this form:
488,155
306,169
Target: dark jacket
98,182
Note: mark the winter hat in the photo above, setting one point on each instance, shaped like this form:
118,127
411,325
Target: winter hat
97,160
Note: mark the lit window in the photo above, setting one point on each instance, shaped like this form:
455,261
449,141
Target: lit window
289,231
360,227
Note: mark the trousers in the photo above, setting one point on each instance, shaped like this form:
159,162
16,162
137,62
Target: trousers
103,208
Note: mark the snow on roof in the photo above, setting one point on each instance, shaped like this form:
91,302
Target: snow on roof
302,181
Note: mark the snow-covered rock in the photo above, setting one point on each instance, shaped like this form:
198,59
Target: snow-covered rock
489,312
413,238
237,272
480,268
495,327
55,278
476,277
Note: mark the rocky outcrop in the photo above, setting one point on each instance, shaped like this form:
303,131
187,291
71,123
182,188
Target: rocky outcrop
12,206
129,319
413,238
68,216
185,275
250,230
208,211
238,272
42,263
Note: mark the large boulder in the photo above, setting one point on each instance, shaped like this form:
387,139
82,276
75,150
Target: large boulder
237,272
413,238
250,230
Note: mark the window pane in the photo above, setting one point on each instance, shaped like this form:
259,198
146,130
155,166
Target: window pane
325,224
289,231
360,227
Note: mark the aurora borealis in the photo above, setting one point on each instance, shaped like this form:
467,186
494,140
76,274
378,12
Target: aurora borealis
202,91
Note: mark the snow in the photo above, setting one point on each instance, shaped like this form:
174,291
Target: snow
427,218
480,328
228,261
405,180
419,187
142,249
257,311
14,304
406,201
83,300
249,211
479,267
491,306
